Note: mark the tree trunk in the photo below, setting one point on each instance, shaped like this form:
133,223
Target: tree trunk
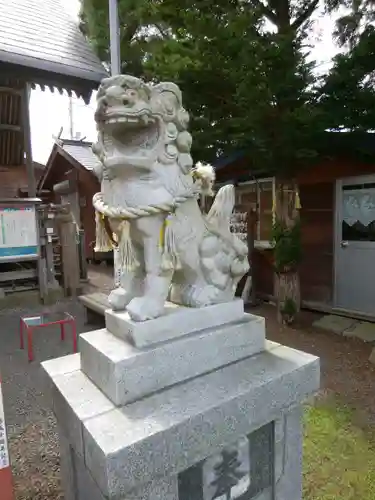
287,286
286,281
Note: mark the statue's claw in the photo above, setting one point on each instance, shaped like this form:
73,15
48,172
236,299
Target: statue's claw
118,299
144,308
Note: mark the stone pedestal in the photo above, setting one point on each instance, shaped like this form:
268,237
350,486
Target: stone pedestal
198,406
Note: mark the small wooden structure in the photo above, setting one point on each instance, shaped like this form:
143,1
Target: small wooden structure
69,178
337,223
61,244
34,51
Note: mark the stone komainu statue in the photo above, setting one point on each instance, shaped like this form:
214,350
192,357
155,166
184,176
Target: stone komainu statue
148,204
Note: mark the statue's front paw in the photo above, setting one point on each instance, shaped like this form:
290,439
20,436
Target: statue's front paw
143,308
118,299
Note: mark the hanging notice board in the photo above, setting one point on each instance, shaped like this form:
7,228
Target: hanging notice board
18,233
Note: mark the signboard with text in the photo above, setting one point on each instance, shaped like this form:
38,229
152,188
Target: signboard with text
18,233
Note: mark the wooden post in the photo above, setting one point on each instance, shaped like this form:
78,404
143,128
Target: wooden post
252,219
41,264
27,141
82,255
47,218
31,191
286,281
69,253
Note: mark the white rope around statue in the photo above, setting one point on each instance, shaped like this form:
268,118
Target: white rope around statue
124,245
203,176
126,213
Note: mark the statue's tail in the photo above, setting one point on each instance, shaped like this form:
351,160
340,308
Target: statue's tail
222,208
223,256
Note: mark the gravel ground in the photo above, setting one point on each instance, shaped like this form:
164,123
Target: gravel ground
30,423
346,372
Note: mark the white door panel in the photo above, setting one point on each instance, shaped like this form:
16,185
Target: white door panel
355,244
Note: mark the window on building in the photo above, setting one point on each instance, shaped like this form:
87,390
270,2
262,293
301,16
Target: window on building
259,194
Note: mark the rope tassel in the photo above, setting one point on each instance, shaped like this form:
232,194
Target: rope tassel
170,258
127,258
103,242
297,201
106,241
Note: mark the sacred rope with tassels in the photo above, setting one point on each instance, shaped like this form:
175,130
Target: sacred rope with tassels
106,240
127,213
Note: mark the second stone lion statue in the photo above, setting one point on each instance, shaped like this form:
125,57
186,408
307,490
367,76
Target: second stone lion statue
148,204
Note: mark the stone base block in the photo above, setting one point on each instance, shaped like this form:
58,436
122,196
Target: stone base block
126,373
79,484
189,441
176,322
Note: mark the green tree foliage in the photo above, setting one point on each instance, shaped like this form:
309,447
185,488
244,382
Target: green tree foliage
358,17
347,94
203,47
246,87
291,120
141,27
242,66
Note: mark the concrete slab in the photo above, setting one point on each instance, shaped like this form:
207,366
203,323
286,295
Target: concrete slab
362,330
97,302
126,373
191,421
176,322
333,323
166,433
